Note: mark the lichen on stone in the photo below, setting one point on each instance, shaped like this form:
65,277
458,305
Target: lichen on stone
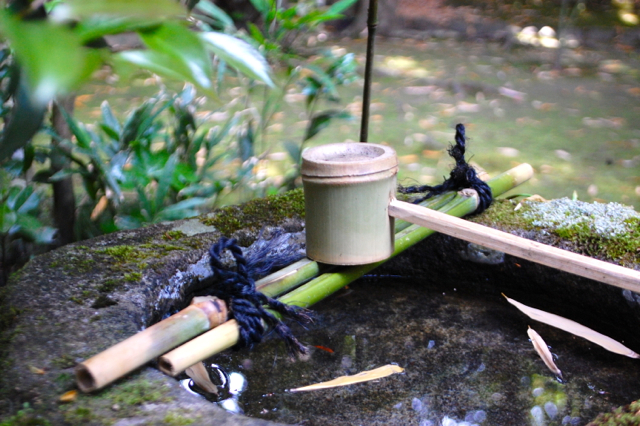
605,220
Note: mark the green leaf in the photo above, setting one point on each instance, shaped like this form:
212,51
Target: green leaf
7,218
140,121
294,150
262,6
320,79
321,120
164,183
186,49
93,28
218,14
180,210
24,122
162,64
239,54
82,136
255,33
31,228
246,142
53,58
61,174
340,6
109,118
26,201
82,9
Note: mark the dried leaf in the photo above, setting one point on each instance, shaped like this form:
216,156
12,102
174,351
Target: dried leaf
364,376
200,376
541,347
36,370
69,396
574,328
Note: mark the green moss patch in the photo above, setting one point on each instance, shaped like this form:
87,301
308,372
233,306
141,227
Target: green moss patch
255,214
136,392
629,415
25,417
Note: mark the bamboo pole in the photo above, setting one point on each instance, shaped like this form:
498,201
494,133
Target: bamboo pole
126,356
372,24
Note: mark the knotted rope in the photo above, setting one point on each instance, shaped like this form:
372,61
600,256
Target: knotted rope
462,176
246,305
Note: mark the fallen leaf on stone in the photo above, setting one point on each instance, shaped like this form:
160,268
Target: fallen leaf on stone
574,328
200,377
534,197
364,376
543,350
69,396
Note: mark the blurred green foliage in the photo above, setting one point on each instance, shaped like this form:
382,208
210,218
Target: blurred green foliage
161,161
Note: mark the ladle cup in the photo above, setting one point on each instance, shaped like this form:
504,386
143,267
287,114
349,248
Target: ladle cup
350,207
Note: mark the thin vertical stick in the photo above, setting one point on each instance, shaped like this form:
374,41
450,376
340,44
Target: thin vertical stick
372,24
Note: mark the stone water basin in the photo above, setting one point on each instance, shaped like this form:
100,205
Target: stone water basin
467,360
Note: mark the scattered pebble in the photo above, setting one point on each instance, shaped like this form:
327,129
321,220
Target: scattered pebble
551,409
538,416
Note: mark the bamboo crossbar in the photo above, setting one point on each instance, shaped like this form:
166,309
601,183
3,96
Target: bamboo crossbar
563,260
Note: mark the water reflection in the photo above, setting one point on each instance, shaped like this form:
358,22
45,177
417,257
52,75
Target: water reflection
230,388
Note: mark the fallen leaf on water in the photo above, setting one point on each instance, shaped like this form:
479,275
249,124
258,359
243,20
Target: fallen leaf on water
364,376
69,396
200,376
543,350
324,348
574,328
36,370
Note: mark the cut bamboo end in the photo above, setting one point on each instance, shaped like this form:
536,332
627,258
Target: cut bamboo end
202,347
126,356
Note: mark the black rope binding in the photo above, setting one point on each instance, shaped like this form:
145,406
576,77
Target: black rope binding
246,305
462,176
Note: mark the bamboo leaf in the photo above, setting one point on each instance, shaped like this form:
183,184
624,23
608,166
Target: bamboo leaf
543,350
321,120
574,328
46,64
262,6
364,376
200,377
184,47
239,54
24,123
78,9
340,6
215,12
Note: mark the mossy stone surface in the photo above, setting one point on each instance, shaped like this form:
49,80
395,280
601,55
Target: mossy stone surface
71,303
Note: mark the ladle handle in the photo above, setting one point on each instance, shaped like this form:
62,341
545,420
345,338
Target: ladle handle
517,246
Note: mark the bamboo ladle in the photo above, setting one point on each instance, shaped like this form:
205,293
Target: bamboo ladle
350,208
